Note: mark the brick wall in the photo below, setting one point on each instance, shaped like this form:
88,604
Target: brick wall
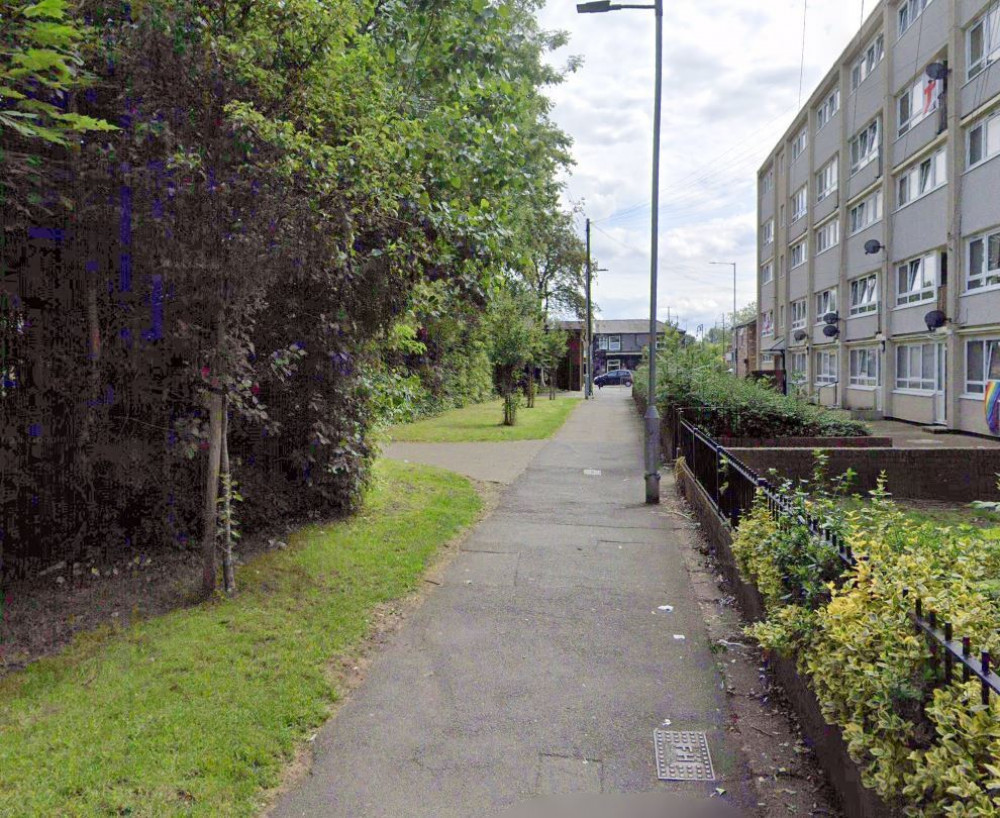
955,475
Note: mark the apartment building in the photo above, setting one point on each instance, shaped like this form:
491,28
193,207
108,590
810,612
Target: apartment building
879,216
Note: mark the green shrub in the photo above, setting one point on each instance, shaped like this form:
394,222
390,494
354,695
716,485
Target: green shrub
927,746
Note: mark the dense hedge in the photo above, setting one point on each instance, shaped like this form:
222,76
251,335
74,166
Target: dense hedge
728,406
926,746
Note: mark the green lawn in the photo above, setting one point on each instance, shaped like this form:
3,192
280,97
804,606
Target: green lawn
482,422
940,513
197,712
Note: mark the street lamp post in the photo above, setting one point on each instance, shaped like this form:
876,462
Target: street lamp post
588,389
652,449
733,265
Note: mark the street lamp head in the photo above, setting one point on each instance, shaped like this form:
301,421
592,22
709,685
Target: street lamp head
593,8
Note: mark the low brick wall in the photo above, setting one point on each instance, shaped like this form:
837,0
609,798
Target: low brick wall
955,475
807,442
826,740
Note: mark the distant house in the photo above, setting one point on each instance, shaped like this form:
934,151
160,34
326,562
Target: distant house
619,344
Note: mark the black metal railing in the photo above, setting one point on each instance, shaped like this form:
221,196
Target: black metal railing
732,487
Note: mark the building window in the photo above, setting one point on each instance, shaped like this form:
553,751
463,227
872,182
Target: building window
767,182
767,273
870,58
984,139
661,342
982,41
864,294
767,232
826,111
909,11
826,367
602,342
921,178
800,202
799,361
826,302
982,364
917,102
799,311
767,323
799,145
614,364
826,180
916,367
827,236
916,280
984,261
866,212
864,367
798,254
865,146
614,343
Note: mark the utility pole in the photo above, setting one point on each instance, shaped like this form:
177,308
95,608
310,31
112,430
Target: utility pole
588,389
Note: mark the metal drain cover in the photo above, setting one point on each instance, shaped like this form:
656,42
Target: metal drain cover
682,756
592,472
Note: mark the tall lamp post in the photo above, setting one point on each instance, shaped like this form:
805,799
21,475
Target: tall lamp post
652,414
733,265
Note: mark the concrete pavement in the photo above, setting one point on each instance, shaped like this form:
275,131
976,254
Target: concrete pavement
543,663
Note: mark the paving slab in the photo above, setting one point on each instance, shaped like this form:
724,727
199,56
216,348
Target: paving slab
564,633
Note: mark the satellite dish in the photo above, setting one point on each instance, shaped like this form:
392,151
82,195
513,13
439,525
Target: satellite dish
937,70
831,331
831,318
801,335
935,319
872,246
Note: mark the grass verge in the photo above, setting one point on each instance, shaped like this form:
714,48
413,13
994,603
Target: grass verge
197,712
482,422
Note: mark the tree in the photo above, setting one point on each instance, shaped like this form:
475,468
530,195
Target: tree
512,327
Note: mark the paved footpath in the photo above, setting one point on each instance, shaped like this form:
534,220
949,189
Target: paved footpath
542,664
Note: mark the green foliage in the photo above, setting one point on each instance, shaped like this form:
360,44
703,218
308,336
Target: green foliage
927,746
513,333
692,378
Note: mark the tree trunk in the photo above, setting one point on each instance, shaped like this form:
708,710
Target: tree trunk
531,388
228,574
213,401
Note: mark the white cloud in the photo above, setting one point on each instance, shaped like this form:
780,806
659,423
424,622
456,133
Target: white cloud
731,87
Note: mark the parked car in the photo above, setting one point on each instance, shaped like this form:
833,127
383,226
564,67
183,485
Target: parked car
620,377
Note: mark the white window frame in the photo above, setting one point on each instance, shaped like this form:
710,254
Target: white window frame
767,272
864,294
989,365
828,109
826,367
909,12
614,343
921,178
914,101
922,282
989,24
915,381
800,313
867,63
866,146
988,129
767,232
869,208
767,182
800,203
826,302
614,364
799,362
987,277
864,367
827,179
800,251
827,236
800,143
602,342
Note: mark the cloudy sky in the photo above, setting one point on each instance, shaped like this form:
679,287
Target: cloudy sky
730,89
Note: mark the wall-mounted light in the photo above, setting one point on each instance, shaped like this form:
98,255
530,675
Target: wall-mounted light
873,246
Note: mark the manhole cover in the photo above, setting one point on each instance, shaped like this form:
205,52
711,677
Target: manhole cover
592,472
682,756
